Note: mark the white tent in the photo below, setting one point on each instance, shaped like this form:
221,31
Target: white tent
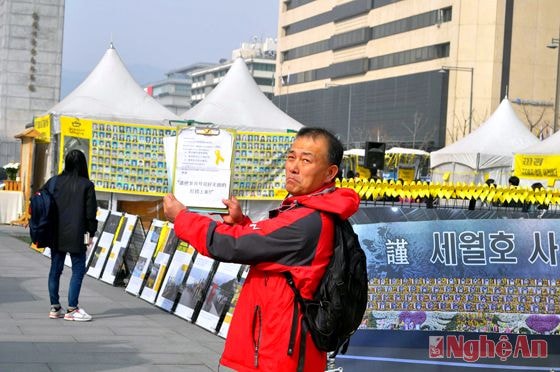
407,151
111,93
485,153
549,146
237,102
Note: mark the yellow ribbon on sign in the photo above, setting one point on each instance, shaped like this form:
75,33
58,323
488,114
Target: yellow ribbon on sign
219,157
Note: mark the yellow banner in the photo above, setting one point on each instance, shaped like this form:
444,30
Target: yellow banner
406,174
537,166
42,125
75,134
74,127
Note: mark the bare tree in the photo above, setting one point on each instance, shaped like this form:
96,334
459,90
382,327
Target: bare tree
420,131
534,117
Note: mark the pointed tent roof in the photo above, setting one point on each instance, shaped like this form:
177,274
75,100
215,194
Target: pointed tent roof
491,145
550,145
111,93
238,102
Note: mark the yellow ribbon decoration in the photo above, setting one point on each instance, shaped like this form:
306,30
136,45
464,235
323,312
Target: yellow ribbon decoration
219,156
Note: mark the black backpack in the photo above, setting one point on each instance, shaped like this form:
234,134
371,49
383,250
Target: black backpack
43,222
339,304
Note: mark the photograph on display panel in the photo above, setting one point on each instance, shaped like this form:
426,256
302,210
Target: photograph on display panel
195,287
114,265
176,273
104,244
258,166
218,296
158,267
141,267
101,218
223,326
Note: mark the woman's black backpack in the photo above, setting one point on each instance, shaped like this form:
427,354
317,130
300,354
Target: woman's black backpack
339,304
43,222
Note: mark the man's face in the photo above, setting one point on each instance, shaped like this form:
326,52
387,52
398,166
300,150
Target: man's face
307,167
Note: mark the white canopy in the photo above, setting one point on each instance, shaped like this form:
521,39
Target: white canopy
358,152
549,146
237,102
111,93
403,150
488,150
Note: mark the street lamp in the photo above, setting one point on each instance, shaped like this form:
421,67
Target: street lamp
348,119
554,44
445,69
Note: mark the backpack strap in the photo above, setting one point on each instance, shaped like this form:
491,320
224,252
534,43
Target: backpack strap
303,333
52,185
292,285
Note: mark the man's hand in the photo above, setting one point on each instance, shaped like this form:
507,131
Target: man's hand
172,207
235,215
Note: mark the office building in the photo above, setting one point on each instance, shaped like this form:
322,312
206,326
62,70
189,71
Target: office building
174,92
415,73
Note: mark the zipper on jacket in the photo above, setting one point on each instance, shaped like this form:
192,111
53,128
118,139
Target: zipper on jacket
257,318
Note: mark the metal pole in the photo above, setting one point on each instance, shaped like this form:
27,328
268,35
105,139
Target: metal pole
555,125
470,101
349,116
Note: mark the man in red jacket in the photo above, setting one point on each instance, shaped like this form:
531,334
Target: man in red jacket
297,238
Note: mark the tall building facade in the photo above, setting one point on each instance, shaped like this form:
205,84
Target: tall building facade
30,61
415,73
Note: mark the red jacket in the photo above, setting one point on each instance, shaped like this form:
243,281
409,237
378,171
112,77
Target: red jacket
299,240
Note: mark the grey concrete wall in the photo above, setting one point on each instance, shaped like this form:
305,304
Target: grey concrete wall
30,60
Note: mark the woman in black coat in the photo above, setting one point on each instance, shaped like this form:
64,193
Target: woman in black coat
76,204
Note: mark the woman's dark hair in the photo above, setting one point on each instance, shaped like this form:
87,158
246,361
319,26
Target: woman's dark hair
75,164
335,150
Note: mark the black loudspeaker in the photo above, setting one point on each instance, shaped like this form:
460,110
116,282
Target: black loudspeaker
375,155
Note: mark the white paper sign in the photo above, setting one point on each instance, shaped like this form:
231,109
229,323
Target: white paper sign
203,168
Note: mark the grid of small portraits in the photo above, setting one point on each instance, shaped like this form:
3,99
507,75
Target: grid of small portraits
494,295
129,158
258,170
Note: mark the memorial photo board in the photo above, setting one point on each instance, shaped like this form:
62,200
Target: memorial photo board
160,261
447,291
224,324
103,246
122,157
195,287
117,253
101,217
259,159
218,296
140,272
174,278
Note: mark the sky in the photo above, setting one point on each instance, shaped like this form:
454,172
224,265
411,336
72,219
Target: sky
153,37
